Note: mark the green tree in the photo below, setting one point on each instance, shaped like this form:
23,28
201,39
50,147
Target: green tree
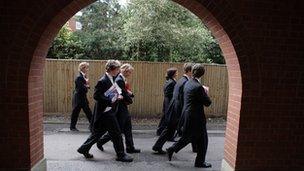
147,30
66,46
101,28
164,31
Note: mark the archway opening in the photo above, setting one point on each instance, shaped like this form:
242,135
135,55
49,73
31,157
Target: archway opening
201,10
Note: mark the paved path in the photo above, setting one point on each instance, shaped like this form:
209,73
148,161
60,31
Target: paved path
61,145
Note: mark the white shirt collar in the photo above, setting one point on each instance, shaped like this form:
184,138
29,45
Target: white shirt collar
198,80
123,77
83,73
110,77
186,76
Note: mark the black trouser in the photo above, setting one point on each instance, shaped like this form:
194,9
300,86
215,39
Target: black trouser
161,125
201,140
167,134
180,124
179,131
76,111
163,122
109,123
126,128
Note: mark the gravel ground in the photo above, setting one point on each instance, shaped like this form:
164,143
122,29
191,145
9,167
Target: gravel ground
138,123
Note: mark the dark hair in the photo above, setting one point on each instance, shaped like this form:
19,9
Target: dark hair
112,65
198,70
188,67
170,73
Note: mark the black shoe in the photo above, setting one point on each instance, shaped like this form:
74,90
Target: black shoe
194,150
132,150
86,154
74,129
124,158
170,152
203,165
158,150
99,146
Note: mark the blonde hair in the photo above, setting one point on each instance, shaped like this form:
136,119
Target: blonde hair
83,65
126,67
112,64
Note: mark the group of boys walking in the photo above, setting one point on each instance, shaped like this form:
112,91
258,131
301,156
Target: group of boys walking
183,112
110,117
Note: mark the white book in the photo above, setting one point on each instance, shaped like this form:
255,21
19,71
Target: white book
112,93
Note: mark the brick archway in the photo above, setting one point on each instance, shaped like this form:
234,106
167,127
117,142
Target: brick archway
235,82
257,38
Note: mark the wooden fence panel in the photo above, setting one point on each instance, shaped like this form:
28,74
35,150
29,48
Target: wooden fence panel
147,84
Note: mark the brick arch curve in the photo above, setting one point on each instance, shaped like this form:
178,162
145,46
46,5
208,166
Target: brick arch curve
212,14
267,37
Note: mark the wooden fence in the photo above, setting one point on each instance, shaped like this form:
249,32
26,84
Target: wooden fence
147,84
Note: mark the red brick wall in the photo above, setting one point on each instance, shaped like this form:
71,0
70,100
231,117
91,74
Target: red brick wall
262,42
271,123
58,19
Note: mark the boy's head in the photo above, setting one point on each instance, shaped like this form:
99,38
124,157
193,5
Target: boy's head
198,70
126,69
83,67
113,67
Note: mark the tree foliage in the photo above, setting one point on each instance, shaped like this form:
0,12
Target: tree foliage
148,30
66,45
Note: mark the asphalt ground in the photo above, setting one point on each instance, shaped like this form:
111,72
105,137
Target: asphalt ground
60,145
